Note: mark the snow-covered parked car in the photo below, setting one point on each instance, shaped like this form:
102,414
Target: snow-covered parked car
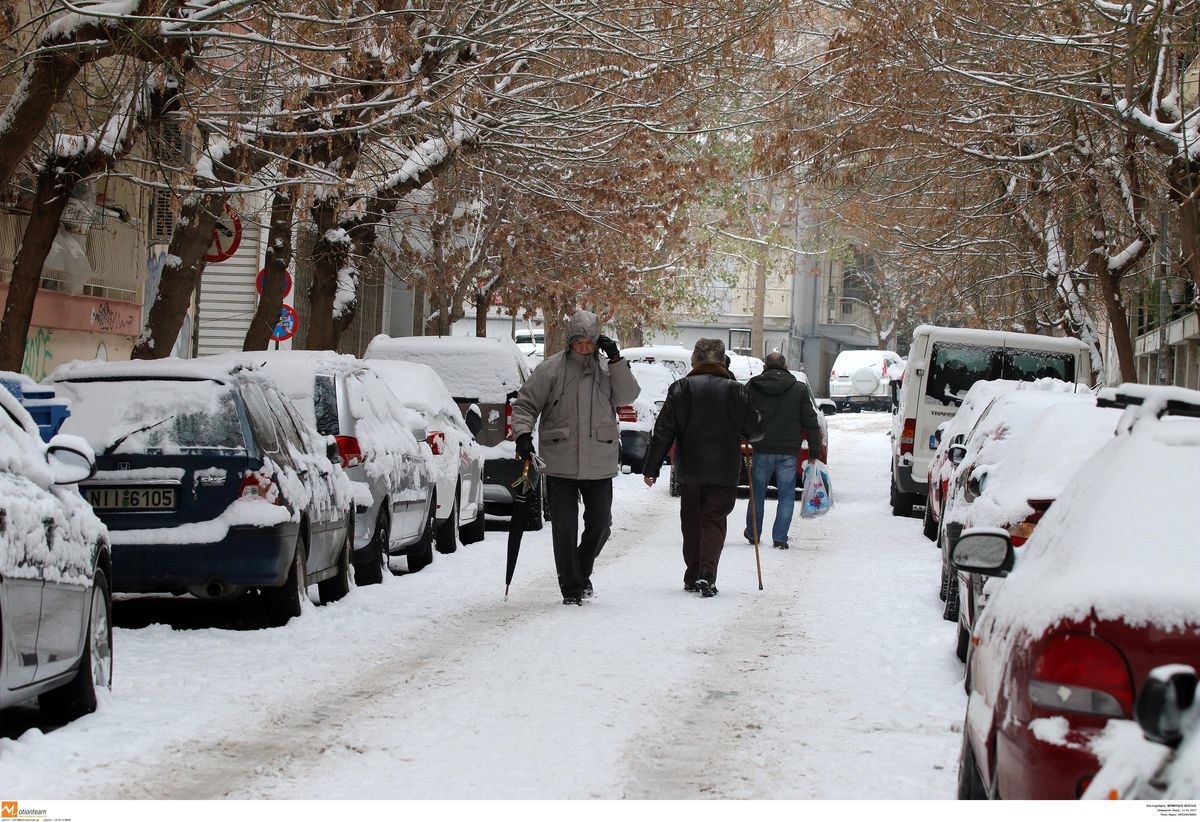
636,420
55,571
381,444
675,358
1029,445
954,432
457,458
743,367
862,379
210,482
485,372
1101,595
532,343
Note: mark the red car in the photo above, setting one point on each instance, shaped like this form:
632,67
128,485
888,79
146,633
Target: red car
1104,592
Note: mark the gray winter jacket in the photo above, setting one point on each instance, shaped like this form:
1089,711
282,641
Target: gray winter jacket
576,398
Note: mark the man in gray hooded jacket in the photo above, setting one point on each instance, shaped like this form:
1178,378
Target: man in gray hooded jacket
576,394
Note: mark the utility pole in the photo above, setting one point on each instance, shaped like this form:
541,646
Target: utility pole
1164,294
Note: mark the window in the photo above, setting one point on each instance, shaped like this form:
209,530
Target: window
954,368
325,406
261,423
1033,365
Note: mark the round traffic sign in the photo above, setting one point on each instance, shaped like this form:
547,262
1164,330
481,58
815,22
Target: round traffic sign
287,282
285,329
227,236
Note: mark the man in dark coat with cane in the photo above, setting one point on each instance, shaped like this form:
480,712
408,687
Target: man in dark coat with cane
705,415
576,394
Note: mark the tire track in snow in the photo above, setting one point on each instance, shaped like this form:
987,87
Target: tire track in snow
296,738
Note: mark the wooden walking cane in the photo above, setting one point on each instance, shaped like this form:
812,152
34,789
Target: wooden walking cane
754,517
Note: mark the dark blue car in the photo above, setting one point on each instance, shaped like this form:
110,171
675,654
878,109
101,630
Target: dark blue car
210,483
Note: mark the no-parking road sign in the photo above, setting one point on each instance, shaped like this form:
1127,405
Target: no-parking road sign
227,236
285,329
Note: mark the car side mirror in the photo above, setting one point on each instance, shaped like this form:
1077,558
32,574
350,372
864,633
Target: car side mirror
957,453
937,434
827,407
984,551
474,419
331,450
71,459
1166,696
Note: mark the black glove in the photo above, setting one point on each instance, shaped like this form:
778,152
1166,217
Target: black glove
608,346
525,446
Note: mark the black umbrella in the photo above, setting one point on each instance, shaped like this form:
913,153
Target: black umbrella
523,489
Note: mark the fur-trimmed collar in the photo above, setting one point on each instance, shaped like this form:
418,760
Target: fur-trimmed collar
710,368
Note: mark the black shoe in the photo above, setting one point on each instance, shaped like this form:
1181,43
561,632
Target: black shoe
781,545
749,537
706,588
588,593
572,600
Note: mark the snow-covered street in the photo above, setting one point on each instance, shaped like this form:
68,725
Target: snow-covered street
837,681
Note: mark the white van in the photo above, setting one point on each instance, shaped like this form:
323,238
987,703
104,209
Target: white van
943,363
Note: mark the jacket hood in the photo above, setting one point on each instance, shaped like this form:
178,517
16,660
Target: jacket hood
773,381
583,324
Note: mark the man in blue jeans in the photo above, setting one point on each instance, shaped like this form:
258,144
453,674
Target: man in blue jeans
786,406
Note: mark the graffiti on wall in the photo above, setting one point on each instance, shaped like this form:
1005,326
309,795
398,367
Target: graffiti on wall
38,355
105,318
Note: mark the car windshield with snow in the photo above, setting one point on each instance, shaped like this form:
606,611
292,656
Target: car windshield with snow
55,572
210,482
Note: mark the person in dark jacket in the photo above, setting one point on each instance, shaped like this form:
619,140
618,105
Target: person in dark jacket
790,416
705,415
575,395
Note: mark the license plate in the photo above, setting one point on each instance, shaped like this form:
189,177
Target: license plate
131,499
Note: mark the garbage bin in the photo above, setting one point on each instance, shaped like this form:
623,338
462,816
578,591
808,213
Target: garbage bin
47,410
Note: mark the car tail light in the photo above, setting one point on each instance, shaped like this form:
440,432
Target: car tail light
256,485
349,451
508,432
627,413
1083,674
908,436
437,442
1022,531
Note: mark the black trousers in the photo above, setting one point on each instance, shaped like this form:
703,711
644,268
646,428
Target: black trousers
574,557
703,514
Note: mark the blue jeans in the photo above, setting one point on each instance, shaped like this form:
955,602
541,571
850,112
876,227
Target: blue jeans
783,467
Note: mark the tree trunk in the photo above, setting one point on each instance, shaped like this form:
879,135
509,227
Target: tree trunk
482,299
185,263
760,305
556,331
279,256
53,191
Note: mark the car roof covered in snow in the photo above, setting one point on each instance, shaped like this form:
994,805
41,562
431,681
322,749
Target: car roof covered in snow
169,368
486,369
1007,339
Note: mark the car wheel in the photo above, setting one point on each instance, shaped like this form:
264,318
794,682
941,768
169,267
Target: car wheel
930,527
78,697
902,504
447,532
674,483
421,554
970,783
369,569
284,602
336,587
964,642
473,531
950,614
945,585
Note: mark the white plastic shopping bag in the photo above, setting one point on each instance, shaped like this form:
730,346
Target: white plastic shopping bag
817,498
